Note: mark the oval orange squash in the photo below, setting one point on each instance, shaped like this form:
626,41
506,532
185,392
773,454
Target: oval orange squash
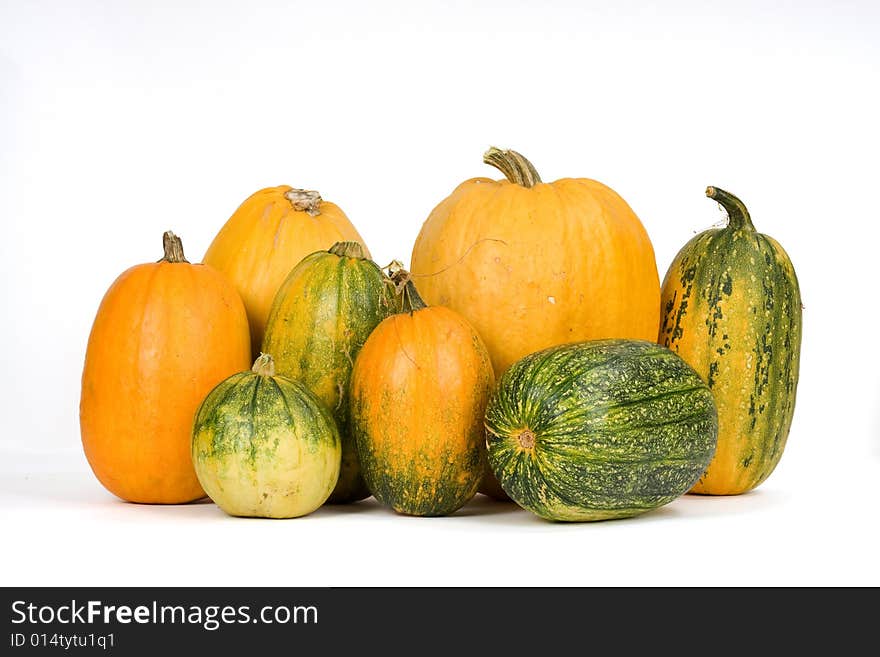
419,390
265,239
165,334
532,264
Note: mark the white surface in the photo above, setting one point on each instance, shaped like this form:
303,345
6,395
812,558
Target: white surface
67,530
119,121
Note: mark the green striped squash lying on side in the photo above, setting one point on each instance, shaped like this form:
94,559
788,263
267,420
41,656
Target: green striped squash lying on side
320,318
599,430
731,307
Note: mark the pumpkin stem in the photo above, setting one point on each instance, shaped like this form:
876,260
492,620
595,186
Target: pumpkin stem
738,216
412,301
401,279
173,248
515,167
347,250
304,200
264,365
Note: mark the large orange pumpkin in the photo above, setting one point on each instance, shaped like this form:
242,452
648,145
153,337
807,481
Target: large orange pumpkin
165,334
266,238
534,264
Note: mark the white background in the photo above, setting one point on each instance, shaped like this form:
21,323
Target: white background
121,120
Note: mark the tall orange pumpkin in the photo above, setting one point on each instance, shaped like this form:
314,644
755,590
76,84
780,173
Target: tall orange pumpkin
418,396
266,238
534,264
165,334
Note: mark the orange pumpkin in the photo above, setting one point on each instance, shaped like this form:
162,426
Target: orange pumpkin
534,264
419,390
266,238
165,334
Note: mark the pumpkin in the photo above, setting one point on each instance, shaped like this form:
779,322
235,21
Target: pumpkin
266,237
263,445
533,264
418,394
732,309
600,429
164,335
319,321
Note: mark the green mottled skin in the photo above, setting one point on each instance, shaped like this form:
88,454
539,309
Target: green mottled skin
408,491
320,319
731,307
265,446
620,427
420,482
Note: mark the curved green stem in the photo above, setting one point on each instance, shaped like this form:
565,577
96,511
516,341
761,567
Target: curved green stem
737,214
515,167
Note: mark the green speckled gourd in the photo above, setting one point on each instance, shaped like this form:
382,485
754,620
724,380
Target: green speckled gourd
264,445
731,307
320,318
599,430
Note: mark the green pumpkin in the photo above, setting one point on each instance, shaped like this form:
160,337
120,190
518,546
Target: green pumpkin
731,307
599,430
264,445
320,318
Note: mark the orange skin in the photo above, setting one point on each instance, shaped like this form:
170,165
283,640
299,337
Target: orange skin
264,240
418,393
535,267
164,336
